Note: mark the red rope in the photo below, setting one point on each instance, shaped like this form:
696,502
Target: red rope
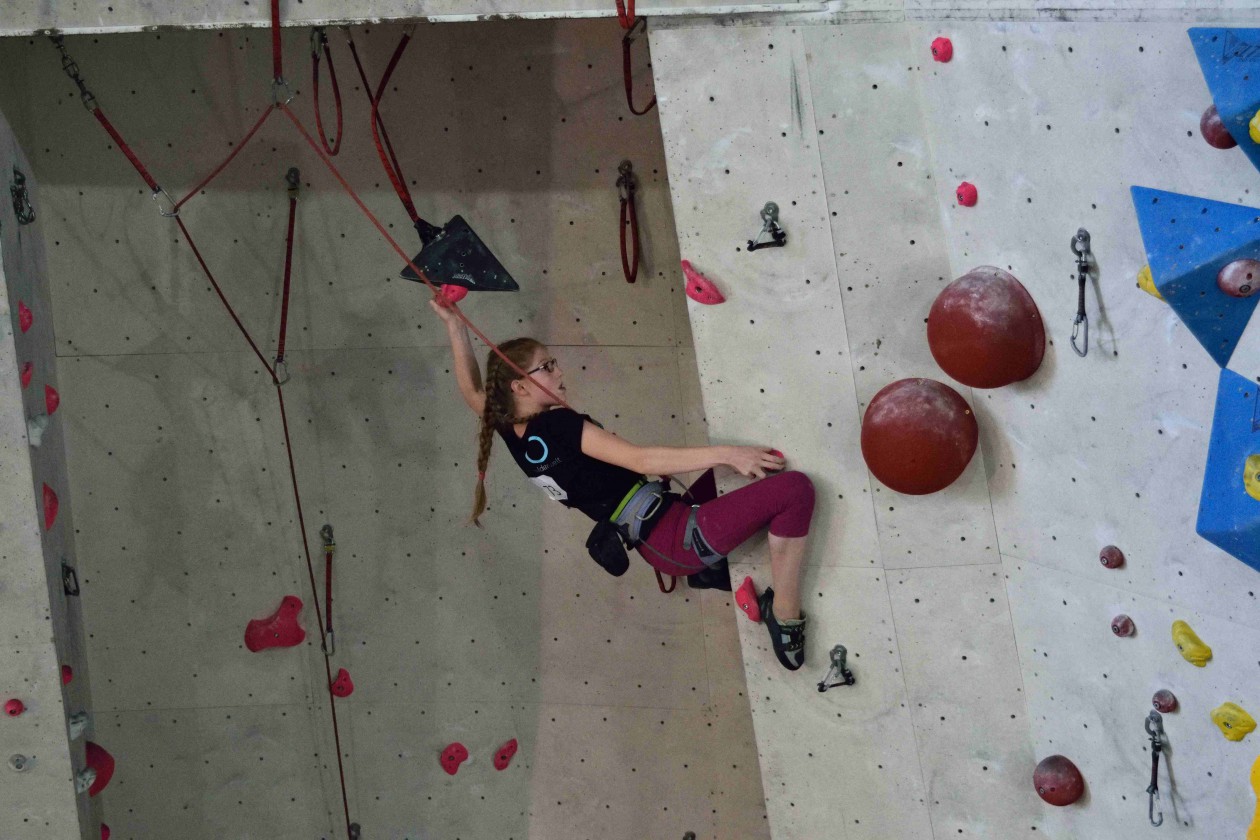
319,122
266,114
277,63
288,273
626,16
394,171
126,150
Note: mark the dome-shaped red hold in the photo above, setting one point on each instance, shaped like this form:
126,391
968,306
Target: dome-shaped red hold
1164,701
14,708
1213,129
453,294
51,399
25,317
918,435
1111,557
1058,781
1240,278
28,370
104,832
967,194
342,686
67,674
1123,626
454,755
984,329
51,505
942,49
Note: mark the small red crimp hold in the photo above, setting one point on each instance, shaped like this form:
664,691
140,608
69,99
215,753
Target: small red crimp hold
104,832
942,49
1111,557
1164,701
28,370
503,757
746,597
1123,626
280,629
50,507
342,686
51,399
67,674
700,288
453,756
103,763
25,317
967,194
453,294
14,708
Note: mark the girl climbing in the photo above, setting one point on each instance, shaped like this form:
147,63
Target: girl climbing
577,463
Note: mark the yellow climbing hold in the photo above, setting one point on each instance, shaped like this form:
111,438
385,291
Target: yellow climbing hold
1251,476
1190,645
1146,282
1233,721
1253,127
1253,833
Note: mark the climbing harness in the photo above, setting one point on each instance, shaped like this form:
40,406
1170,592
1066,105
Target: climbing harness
330,642
22,207
625,188
837,674
627,40
1155,728
1080,247
769,227
319,41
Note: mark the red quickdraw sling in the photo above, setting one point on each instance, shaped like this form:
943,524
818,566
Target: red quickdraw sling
626,188
319,41
633,25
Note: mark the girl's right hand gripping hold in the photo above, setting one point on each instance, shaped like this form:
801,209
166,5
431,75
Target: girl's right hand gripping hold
444,311
755,461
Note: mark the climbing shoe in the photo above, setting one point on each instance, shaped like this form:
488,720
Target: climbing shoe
788,637
717,576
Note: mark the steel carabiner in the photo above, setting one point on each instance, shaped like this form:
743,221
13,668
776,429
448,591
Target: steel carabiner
1080,247
1155,728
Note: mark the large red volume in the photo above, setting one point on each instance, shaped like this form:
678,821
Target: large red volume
918,435
280,629
985,331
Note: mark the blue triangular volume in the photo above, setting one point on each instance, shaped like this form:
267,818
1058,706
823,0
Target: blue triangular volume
1230,60
1229,516
1188,241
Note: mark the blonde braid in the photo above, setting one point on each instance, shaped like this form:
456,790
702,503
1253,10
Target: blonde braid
497,414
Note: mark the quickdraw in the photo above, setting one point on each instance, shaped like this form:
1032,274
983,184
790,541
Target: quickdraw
769,227
1155,729
626,187
22,207
627,70
319,41
330,642
838,674
294,179
1080,247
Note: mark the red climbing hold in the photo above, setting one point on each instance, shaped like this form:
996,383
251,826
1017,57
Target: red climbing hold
103,763
1164,701
942,49
104,832
1240,278
985,331
67,674
503,757
1213,129
280,629
967,194
1058,781
453,294
453,756
746,597
51,399
28,370
1111,557
918,435
50,507
1123,626
25,318
700,288
14,707
343,686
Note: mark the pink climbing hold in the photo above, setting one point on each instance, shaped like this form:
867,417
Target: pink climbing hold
25,318
967,194
1123,626
700,288
746,597
104,832
1240,278
343,686
103,763
50,507
1164,701
14,708
51,399
1111,557
280,629
453,294
67,674
503,757
1213,129
453,756
28,370
942,49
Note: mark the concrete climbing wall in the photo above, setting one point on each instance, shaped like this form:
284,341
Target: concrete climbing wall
628,705
977,618
41,624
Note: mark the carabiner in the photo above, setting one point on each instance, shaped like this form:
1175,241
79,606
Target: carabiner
1155,728
276,86
1080,247
319,39
161,193
282,367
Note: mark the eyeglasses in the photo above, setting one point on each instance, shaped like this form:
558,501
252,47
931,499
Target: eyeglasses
550,366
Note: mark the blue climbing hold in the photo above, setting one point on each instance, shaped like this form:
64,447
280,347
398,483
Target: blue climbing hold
1188,241
1230,60
1229,516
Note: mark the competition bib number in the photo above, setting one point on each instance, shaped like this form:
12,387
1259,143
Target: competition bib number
549,486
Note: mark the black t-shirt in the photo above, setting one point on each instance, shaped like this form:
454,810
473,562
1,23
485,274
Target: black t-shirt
550,455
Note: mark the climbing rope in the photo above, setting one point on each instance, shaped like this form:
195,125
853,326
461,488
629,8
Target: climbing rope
626,187
319,39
